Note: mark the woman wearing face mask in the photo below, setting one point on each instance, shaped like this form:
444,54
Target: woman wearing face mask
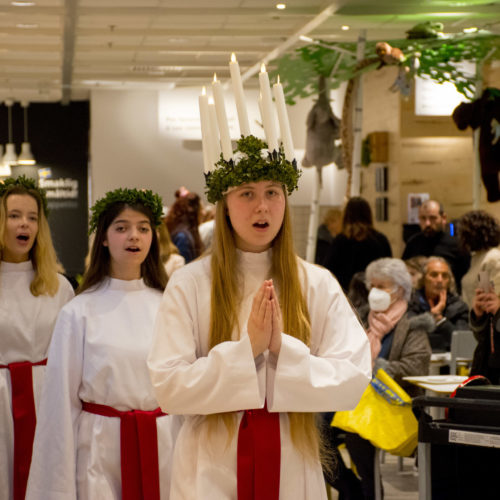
398,344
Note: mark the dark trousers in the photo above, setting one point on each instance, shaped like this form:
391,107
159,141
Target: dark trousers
362,453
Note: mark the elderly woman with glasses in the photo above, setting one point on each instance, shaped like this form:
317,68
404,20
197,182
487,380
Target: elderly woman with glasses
398,344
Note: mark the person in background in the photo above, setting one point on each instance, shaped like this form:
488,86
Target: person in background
32,291
399,344
169,253
206,227
436,298
357,245
485,323
327,230
100,433
415,266
434,240
182,221
479,234
250,340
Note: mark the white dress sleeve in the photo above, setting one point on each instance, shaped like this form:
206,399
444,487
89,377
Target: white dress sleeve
334,372
53,466
186,377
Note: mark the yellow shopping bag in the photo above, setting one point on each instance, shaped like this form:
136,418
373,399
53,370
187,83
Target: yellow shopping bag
383,416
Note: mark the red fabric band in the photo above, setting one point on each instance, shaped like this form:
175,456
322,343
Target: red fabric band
259,455
24,418
138,450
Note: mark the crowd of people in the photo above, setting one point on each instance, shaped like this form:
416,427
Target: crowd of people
199,347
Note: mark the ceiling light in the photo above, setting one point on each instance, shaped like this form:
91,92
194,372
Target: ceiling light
345,27
20,3
26,157
27,26
281,6
10,157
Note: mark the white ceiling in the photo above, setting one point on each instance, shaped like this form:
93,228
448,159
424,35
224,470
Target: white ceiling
60,49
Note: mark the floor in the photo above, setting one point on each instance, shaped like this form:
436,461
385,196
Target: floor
398,485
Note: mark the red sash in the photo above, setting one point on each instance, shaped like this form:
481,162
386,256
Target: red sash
259,455
138,450
24,417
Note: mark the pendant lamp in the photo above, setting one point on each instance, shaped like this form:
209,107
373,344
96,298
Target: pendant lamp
26,157
10,156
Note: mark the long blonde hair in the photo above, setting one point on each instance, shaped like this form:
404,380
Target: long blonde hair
167,247
42,254
224,308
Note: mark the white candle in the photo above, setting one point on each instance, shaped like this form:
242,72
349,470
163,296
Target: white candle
214,131
267,110
220,110
206,141
286,133
239,96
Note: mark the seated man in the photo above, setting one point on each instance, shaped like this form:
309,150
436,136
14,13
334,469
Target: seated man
433,239
435,298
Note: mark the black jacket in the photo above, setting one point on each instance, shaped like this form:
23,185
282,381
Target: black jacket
348,256
441,245
485,362
455,313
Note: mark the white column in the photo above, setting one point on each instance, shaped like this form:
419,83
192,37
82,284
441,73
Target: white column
312,231
358,123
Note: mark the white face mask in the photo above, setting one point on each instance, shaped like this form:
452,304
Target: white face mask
379,300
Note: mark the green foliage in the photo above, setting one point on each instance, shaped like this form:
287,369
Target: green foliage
253,163
24,182
432,58
130,197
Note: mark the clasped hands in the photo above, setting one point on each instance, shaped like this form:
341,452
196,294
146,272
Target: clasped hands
265,322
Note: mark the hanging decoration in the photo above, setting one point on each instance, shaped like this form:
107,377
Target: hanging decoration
427,53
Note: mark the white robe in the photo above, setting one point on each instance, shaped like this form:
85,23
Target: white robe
191,380
26,324
98,354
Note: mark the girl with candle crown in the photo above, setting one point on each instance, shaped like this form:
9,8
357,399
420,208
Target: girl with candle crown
249,341
100,432
31,295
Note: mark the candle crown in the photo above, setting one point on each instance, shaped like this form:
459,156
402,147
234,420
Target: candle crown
252,163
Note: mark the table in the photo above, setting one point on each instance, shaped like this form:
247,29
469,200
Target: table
440,384
437,385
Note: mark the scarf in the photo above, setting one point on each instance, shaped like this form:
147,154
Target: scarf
381,323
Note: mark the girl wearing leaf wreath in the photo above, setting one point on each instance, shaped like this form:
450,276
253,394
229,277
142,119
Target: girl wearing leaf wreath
100,432
31,294
249,341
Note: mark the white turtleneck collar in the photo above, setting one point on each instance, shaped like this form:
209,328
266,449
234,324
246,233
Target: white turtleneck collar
16,267
125,285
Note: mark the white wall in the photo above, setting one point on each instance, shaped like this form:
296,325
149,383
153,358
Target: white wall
131,148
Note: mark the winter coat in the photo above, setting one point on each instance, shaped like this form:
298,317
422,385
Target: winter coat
410,351
455,317
485,362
